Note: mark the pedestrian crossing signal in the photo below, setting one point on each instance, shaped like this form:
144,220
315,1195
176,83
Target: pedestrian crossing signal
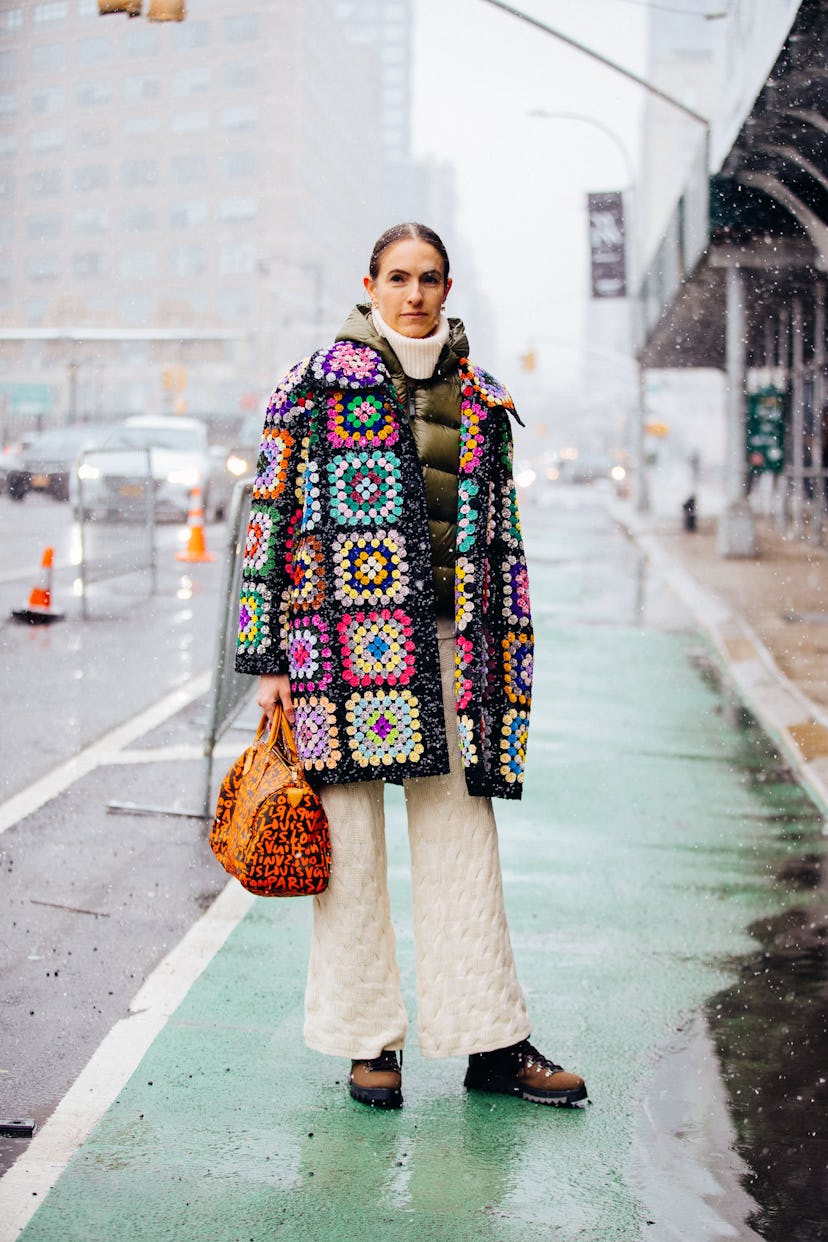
529,360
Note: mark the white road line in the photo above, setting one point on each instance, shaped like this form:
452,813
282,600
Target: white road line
31,1177
101,752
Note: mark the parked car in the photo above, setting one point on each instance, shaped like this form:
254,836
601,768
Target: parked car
179,457
45,461
242,452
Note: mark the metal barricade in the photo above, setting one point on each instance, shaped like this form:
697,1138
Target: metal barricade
114,500
230,689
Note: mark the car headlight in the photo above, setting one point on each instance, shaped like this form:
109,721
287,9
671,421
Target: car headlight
237,465
87,471
185,477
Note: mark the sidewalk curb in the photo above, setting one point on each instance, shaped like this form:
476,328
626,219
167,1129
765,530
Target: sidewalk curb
796,724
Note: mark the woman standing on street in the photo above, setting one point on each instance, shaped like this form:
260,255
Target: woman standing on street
385,607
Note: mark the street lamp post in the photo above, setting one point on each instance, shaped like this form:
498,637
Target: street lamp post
636,431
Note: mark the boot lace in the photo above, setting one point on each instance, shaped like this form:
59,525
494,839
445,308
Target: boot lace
529,1058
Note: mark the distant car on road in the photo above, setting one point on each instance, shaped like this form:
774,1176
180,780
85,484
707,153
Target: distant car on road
180,459
45,461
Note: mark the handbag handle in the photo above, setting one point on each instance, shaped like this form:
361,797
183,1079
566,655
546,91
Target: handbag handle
280,733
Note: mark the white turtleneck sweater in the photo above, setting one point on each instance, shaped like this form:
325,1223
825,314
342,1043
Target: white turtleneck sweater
417,354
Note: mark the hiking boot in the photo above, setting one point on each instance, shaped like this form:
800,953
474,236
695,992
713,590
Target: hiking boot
377,1082
522,1070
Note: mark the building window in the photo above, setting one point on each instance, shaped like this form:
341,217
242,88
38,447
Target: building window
7,186
237,260
236,305
8,144
139,310
239,163
141,124
140,219
48,139
238,208
91,93
188,168
12,19
91,177
43,266
89,263
139,172
240,75
191,34
138,263
45,181
94,51
52,12
241,27
239,118
48,56
91,220
141,86
190,122
142,40
188,260
93,139
8,65
49,99
36,312
188,215
190,81
42,228
8,105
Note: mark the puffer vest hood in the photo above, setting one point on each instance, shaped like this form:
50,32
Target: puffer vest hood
433,407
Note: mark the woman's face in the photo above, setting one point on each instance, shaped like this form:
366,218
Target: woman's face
410,287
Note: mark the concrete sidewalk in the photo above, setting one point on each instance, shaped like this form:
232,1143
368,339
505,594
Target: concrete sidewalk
767,617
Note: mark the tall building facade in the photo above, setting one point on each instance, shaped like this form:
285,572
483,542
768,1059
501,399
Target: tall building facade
185,208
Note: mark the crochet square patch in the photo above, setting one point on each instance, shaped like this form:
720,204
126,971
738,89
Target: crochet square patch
516,610
259,544
254,610
384,727
370,570
272,466
513,738
365,488
517,667
376,647
360,421
307,570
316,733
309,653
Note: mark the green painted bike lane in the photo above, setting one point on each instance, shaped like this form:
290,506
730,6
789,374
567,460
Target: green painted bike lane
640,853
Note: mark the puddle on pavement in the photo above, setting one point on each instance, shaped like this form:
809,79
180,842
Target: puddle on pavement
770,1029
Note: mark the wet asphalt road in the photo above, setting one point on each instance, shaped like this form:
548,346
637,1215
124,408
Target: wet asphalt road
719,1034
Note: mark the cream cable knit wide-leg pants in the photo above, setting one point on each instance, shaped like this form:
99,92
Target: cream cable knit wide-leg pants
469,998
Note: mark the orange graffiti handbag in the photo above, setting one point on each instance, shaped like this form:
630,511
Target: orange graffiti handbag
270,830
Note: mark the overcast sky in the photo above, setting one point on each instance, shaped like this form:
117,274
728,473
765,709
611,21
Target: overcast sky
521,181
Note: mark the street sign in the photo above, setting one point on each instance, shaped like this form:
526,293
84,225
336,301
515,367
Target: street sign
26,400
765,428
607,246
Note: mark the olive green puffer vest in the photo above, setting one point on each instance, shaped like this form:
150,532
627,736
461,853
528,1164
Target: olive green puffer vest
434,414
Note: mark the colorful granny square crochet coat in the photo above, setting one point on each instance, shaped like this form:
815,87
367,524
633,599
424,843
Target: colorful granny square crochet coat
337,585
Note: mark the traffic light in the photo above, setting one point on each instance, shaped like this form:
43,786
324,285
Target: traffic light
167,11
132,8
529,360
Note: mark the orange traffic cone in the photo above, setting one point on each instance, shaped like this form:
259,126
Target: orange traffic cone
196,549
39,611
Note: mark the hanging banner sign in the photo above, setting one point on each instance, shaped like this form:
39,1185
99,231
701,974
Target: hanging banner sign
765,428
607,246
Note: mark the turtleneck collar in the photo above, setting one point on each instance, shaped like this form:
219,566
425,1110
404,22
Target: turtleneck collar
417,355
